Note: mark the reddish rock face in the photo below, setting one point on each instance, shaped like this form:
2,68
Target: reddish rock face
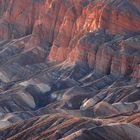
74,31
115,18
18,17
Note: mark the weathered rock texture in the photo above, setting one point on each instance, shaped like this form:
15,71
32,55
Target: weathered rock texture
95,32
64,60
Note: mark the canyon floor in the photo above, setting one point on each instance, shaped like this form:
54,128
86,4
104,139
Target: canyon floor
69,69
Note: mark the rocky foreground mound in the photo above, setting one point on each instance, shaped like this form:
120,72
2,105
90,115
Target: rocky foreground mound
70,69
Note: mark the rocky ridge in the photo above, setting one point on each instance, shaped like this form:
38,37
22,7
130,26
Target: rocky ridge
80,59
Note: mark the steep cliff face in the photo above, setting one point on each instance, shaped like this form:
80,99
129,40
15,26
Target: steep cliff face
92,32
3,6
18,17
74,30
116,17
79,37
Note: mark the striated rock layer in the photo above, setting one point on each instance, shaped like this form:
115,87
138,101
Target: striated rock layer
69,69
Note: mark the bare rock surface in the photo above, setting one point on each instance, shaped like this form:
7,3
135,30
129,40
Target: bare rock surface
69,69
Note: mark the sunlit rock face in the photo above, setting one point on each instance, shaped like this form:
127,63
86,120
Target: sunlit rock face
69,69
83,31
75,36
18,17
